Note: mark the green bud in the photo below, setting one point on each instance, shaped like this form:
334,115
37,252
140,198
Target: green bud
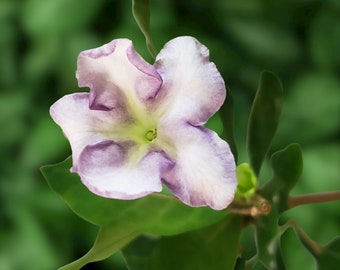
247,181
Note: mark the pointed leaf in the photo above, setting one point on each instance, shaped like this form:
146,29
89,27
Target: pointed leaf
213,247
156,213
227,115
141,13
110,239
264,118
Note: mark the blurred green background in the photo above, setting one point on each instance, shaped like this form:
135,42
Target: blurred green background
299,40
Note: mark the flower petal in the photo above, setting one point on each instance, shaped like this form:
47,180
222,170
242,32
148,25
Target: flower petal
193,88
83,126
116,75
106,170
204,173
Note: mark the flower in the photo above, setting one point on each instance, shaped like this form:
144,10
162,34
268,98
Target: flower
142,125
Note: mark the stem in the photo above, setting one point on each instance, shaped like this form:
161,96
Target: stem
313,198
314,246
258,206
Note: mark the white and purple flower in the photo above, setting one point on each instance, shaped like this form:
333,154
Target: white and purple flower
142,126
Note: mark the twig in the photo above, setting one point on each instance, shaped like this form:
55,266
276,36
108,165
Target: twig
258,206
315,247
314,198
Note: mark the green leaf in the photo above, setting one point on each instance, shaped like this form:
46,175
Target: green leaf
326,257
268,244
156,213
213,247
141,13
227,114
329,258
287,169
264,118
110,239
287,165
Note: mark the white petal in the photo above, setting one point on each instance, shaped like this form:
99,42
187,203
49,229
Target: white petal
117,76
107,171
204,173
193,89
83,126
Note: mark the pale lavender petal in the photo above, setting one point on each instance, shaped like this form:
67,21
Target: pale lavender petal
193,89
83,126
204,174
106,170
117,76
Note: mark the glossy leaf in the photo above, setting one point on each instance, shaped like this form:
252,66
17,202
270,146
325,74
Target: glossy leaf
110,239
227,115
141,13
264,118
156,213
214,247
287,169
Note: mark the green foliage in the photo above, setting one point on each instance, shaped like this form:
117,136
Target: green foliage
264,39
47,22
329,257
326,257
324,39
201,249
287,169
303,112
127,218
110,239
141,13
264,118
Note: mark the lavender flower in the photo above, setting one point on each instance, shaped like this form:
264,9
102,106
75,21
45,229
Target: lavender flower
142,125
